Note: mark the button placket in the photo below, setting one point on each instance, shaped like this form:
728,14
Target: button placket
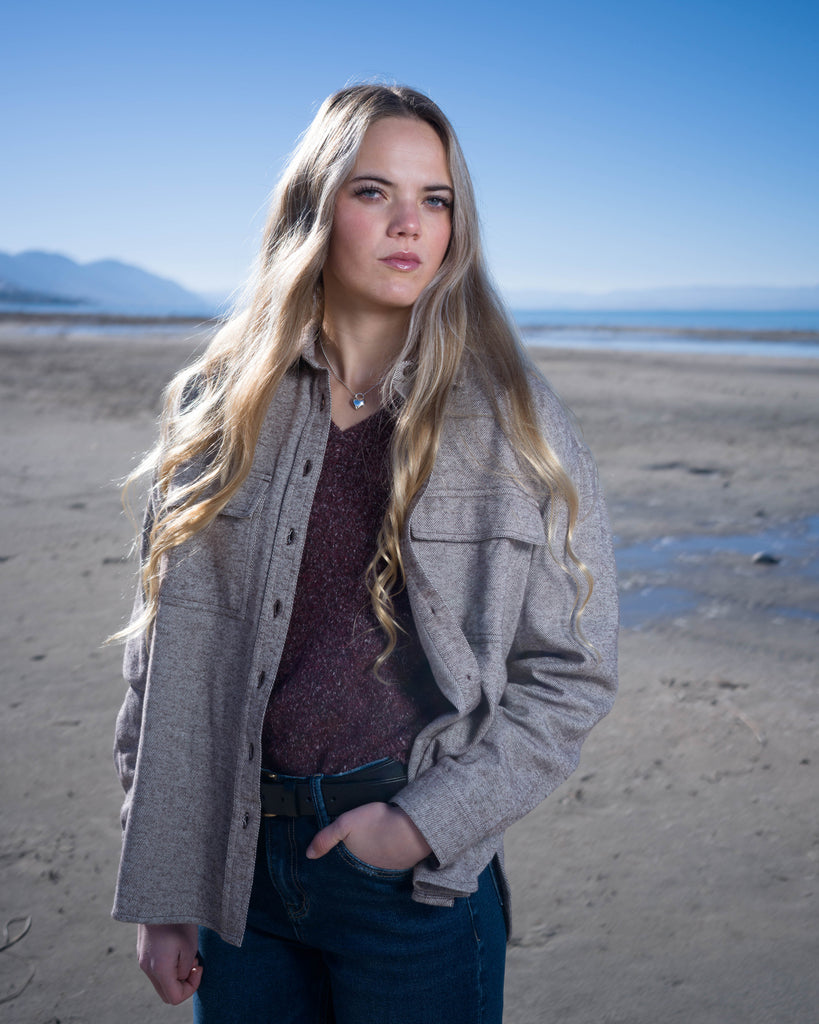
295,506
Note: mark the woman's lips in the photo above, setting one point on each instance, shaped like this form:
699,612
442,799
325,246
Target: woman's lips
402,261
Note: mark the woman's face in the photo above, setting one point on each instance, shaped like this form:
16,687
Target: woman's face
392,220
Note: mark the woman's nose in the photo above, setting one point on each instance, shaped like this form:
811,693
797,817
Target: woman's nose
405,220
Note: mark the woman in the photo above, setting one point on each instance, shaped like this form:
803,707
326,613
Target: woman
377,572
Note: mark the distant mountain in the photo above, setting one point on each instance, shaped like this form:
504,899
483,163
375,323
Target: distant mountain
36,279
748,299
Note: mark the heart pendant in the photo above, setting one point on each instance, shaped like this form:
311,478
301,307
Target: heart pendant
358,401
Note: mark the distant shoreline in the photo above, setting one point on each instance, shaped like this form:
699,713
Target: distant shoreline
64,318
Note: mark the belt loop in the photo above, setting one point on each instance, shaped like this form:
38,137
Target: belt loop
317,797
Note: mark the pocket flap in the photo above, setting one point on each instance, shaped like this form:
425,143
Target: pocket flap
475,517
246,500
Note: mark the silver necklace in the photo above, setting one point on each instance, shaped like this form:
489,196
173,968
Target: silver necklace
357,399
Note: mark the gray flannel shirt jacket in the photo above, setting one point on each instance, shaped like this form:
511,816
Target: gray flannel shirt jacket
494,611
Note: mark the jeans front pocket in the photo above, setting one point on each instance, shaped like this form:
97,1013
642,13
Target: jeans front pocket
370,870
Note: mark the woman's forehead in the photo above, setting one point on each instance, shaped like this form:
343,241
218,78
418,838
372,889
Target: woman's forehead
402,146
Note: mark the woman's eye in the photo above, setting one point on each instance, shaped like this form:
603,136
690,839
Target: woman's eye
368,191
439,202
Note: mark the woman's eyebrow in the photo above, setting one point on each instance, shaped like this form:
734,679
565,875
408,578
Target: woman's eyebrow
386,181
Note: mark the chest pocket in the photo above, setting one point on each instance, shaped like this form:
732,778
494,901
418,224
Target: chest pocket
213,569
478,517
475,549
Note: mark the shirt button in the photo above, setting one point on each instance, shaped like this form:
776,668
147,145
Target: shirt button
250,753
307,467
260,680
245,821
277,607
291,536
321,403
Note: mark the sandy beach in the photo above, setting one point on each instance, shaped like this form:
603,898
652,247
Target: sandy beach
672,879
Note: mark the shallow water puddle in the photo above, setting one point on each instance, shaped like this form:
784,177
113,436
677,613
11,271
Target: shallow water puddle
647,604
650,573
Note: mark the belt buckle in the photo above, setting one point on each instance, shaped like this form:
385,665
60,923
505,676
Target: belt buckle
270,777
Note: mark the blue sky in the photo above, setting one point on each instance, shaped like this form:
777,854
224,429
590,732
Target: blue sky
613,145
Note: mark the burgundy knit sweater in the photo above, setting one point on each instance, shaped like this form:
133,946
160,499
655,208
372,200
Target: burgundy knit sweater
327,712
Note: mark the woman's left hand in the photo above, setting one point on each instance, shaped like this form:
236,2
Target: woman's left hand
377,833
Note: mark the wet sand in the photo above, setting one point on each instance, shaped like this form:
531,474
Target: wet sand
672,878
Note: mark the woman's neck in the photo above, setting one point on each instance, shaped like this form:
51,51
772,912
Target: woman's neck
363,347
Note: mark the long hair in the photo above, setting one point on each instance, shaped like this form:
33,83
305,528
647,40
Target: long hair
215,407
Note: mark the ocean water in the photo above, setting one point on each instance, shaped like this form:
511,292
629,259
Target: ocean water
625,342
695,331
693,319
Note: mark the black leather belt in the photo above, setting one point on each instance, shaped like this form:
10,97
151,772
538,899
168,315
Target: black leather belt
290,797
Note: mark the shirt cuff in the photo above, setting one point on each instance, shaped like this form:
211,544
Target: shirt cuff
438,815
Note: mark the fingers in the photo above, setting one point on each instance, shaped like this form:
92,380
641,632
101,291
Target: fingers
177,990
376,833
169,988
188,985
173,990
167,954
331,835
195,976
187,962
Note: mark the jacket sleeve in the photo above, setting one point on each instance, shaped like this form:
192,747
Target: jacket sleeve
557,687
135,672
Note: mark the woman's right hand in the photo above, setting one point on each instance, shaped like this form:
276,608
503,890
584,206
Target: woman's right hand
167,954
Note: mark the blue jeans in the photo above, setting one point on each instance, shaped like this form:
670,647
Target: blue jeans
338,941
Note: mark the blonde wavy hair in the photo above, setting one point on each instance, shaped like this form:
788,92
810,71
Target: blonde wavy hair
215,407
